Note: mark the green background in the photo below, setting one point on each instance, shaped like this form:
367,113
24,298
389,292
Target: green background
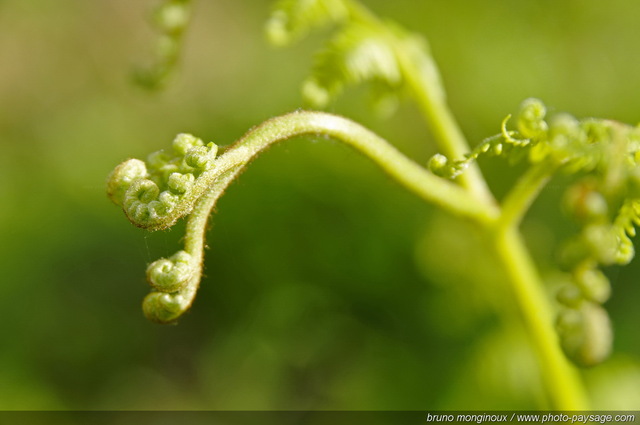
327,285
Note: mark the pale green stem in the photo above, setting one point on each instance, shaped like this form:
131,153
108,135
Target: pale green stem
195,234
521,196
166,307
431,188
561,380
444,126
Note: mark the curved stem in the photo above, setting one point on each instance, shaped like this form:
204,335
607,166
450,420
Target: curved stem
408,173
430,98
194,239
165,307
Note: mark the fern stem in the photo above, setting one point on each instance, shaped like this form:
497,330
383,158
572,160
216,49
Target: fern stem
521,196
445,128
407,172
196,229
561,380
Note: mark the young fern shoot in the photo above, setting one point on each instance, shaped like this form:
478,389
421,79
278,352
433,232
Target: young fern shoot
190,179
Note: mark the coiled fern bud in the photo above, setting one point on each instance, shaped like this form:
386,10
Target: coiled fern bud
122,177
585,333
530,121
164,307
171,274
156,193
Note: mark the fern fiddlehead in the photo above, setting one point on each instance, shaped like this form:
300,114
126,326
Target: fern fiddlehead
190,179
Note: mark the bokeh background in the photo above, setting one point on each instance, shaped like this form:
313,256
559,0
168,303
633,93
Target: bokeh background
327,285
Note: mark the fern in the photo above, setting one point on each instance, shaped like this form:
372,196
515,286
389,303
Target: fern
170,20
292,19
362,50
602,156
605,154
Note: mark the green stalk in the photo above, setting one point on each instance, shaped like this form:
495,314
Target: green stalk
522,195
416,178
561,380
444,126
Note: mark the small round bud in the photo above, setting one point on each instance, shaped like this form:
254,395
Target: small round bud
180,183
122,177
569,295
626,251
156,210
438,165
585,203
602,242
172,17
183,142
161,307
143,190
276,29
594,285
585,334
530,121
138,212
168,200
315,94
167,46
137,199
201,158
564,133
172,274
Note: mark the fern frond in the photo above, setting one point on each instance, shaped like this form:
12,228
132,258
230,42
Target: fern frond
364,49
625,228
575,146
356,54
293,19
